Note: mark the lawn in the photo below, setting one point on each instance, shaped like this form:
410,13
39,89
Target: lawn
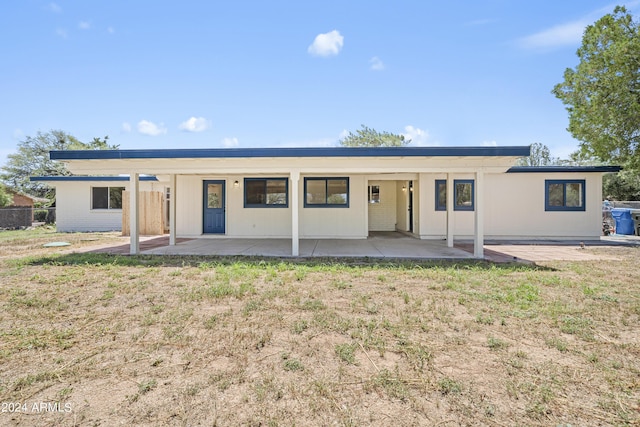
101,340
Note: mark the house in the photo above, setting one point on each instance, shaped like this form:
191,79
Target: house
340,192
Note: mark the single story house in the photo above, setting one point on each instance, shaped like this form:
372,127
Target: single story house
338,193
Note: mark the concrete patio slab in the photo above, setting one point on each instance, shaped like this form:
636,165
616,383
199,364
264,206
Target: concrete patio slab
375,247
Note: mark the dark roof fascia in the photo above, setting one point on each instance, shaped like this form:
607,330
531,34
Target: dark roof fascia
514,151
89,178
561,169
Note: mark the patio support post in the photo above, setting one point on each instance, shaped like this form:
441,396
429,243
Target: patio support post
295,237
134,214
449,198
172,209
478,240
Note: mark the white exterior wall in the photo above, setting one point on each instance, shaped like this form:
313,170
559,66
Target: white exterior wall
73,205
382,216
243,222
433,224
515,209
239,221
338,223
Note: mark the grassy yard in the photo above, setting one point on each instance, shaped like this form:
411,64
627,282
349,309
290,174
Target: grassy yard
115,340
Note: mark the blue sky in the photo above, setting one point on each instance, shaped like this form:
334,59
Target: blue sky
190,74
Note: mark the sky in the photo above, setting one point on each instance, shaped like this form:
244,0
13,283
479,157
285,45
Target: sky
213,74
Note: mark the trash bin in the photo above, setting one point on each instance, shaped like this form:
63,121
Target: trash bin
624,221
635,215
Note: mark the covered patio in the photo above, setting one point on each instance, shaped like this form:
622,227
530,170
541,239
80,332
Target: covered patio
380,245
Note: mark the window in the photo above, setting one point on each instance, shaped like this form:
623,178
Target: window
106,197
326,192
463,198
564,195
441,195
266,192
374,194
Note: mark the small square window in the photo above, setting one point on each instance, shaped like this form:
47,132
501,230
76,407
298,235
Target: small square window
564,195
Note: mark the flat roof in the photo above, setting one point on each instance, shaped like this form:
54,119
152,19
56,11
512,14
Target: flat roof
193,153
89,178
552,169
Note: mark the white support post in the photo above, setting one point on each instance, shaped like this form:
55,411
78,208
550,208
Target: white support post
172,209
478,240
450,221
295,233
134,214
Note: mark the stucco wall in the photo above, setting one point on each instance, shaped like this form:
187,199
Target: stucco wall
73,206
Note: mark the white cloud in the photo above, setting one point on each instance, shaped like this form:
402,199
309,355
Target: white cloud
146,127
61,32
567,34
417,136
84,25
126,127
55,8
111,30
376,64
195,124
230,142
489,144
327,44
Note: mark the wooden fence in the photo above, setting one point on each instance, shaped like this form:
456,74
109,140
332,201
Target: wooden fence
151,213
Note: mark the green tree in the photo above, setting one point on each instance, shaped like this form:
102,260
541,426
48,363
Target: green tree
540,156
32,159
368,137
624,185
5,198
602,94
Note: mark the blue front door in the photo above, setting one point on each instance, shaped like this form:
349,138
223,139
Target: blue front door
213,207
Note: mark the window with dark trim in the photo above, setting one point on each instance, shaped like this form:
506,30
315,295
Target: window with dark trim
441,194
564,195
106,197
326,192
266,192
463,197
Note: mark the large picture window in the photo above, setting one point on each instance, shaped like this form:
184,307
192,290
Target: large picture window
326,192
564,195
266,192
106,197
463,198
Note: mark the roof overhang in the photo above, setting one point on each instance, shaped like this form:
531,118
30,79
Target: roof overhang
564,169
284,160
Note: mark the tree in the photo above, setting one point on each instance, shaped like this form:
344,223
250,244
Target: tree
624,185
602,94
540,156
32,159
368,137
5,198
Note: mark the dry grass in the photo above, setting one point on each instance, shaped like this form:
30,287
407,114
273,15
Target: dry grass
195,341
